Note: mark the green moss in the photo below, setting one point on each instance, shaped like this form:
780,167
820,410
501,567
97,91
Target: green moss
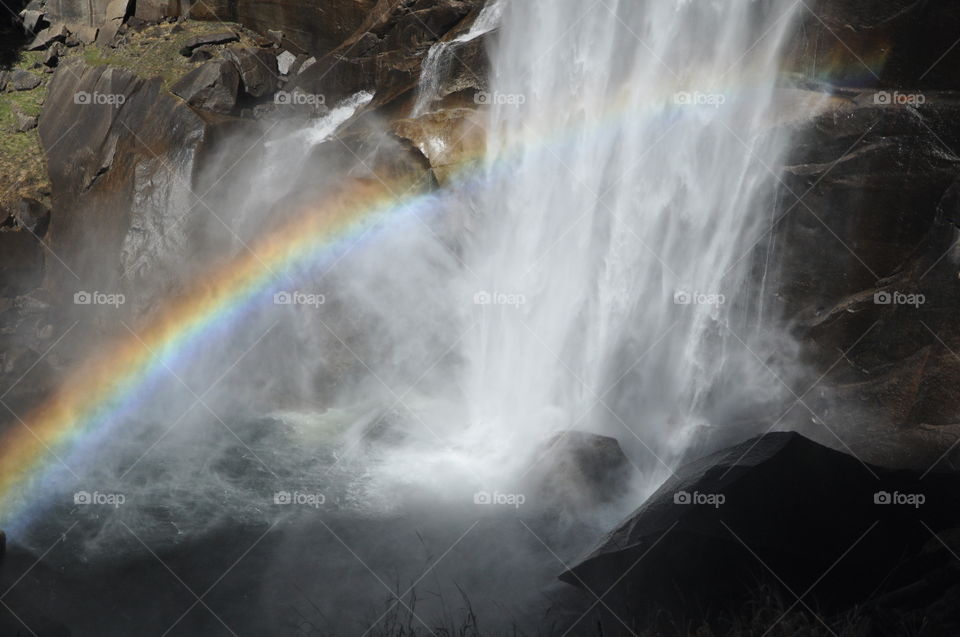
23,170
155,52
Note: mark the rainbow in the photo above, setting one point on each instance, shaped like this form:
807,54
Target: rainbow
91,399
113,382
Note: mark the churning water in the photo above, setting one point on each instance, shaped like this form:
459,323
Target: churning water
604,280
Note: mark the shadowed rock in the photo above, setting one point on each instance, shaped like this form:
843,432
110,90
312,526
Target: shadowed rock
212,87
779,507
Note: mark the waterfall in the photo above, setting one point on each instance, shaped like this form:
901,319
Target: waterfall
629,151
440,54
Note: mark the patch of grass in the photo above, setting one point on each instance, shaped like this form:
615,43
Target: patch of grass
23,169
155,51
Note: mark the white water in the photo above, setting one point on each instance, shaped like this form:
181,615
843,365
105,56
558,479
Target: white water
437,62
621,195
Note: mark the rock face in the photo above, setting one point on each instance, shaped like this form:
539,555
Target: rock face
121,171
892,43
386,50
820,520
308,26
213,86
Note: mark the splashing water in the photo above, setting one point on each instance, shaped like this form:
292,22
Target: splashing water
436,65
613,272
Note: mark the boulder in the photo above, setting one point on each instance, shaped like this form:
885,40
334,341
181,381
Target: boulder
156,10
85,34
212,87
259,75
285,62
202,54
575,469
25,122
56,50
819,519
221,37
54,33
21,80
31,20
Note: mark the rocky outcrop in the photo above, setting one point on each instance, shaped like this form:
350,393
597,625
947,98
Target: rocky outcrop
889,43
213,87
384,54
867,274
302,25
778,508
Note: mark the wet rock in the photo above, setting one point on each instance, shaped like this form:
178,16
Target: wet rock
221,37
258,70
213,86
575,469
23,80
32,215
781,502
448,138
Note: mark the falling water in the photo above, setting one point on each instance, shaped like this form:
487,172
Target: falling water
612,263
435,66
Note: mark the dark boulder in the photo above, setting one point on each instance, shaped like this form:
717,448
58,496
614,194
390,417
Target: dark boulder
576,469
778,507
222,37
23,80
258,70
213,86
